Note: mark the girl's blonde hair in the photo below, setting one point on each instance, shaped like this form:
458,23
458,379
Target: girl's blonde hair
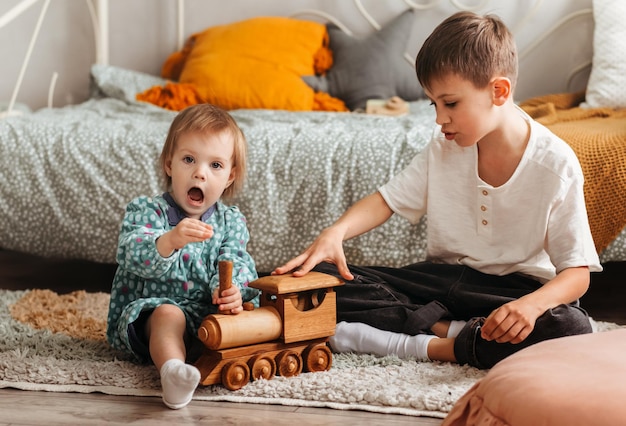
209,120
474,47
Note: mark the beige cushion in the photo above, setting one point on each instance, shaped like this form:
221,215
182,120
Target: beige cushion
607,82
577,380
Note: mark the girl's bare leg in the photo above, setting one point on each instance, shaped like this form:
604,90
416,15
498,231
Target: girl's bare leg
165,329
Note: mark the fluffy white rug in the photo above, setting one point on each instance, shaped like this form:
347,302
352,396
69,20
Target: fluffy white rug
32,357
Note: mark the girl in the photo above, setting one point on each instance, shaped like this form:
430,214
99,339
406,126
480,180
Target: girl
170,245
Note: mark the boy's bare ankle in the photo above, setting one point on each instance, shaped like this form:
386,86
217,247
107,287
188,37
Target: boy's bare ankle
440,328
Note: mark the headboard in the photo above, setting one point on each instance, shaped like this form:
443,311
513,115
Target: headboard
554,37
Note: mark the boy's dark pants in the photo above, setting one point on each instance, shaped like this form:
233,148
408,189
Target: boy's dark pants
412,298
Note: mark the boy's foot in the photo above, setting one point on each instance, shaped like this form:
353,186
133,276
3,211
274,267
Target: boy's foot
362,338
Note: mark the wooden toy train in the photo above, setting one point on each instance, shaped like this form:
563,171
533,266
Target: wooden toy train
286,335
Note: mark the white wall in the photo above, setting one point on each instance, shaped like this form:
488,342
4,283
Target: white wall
143,34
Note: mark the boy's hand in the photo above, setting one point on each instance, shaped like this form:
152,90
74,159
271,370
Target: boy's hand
328,247
511,322
187,231
229,301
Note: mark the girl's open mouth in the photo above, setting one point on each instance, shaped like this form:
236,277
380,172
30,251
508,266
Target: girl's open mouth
195,196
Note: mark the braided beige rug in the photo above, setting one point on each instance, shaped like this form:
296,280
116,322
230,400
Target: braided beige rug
57,343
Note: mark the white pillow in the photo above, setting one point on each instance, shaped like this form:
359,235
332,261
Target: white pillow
607,81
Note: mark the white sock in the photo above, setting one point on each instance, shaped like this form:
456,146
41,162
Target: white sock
178,381
455,328
361,338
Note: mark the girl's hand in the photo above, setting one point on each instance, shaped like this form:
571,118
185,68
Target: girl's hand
229,301
187,231
511,322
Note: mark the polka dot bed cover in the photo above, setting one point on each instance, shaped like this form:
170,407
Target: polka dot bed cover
66,174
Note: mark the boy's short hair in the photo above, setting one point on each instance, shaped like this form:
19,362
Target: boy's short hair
474,47
209,120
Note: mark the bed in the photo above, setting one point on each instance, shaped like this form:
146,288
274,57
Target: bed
67,172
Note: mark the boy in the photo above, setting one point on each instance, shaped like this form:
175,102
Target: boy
509,246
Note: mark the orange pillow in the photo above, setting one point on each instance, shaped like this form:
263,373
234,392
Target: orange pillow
255,63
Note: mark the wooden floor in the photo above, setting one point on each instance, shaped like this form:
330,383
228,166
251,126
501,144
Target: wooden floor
42,408
604,301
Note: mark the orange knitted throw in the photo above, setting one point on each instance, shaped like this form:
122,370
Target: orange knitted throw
598,136
172,96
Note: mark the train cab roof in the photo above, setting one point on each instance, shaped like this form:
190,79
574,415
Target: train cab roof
287,283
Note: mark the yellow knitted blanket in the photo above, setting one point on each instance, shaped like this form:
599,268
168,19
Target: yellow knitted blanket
598,136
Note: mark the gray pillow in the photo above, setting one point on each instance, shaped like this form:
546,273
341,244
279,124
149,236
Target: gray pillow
120,83
373,67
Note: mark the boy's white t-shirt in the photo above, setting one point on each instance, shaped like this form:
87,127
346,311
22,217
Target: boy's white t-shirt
536,223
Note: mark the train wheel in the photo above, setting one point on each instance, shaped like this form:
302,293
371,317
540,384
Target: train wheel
318,358
289,363
235,375
262,367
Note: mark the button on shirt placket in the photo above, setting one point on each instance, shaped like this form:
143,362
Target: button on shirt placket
483,215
